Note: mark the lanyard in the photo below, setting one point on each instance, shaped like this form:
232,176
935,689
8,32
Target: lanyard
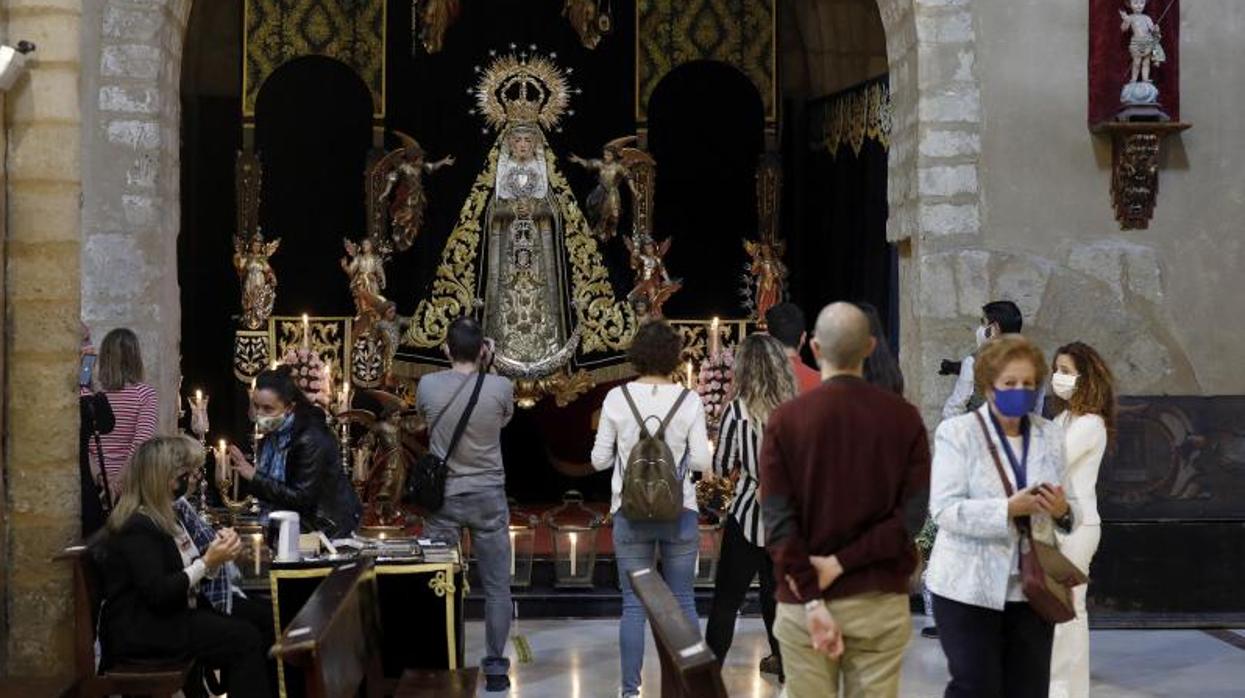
1019,469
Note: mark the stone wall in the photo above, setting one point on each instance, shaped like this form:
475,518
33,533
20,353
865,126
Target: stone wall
131,209
1159,303
42,183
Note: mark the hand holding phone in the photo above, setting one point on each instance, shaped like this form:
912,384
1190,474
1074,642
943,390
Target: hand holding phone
86,370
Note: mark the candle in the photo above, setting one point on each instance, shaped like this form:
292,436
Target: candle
198,397
574,555
306,332
511,552
688,382
327,388
345,397
715,339
256,541
252,385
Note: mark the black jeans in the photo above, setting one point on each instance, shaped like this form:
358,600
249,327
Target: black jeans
235,645
994,654
740,561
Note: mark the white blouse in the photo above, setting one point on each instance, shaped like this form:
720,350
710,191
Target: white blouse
1085,442
619,431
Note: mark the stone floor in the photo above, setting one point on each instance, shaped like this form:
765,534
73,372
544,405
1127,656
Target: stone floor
579,659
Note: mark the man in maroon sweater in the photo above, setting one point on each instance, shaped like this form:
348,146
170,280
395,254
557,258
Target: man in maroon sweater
845,477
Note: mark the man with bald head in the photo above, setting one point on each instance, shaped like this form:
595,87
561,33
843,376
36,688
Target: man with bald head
845,483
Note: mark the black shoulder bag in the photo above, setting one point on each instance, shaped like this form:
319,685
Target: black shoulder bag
426,486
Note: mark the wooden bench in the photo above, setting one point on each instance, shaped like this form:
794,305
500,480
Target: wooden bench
158,680
688,667
336,639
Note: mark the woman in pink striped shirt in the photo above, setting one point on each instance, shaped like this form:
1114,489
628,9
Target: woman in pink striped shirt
135,405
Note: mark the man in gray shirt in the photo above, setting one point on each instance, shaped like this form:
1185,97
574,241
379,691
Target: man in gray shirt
475,490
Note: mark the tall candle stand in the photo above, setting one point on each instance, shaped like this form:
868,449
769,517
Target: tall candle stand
199,426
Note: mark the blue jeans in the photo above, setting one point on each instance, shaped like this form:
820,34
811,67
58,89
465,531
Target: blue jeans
635,545
487,515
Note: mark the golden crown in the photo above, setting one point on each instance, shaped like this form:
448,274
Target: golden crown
525,88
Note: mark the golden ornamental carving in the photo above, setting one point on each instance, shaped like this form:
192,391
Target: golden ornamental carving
324,336
278,31
852,117
441,584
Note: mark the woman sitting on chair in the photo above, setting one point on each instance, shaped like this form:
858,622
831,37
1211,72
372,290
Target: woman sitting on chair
152,572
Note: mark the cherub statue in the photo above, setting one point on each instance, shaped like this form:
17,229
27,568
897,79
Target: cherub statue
394,448
769,272
365,266
404,191
605,202
259,282
587,20
436,18
1145,46
653,285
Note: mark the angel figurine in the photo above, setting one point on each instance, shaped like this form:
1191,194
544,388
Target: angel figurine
605,202
366,268
769,271
388,327
404,191
259,282
653,285
437,16
394,448
1145,46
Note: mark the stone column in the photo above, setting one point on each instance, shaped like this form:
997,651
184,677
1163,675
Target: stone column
42,304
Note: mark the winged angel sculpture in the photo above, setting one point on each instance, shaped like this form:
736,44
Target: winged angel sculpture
259,282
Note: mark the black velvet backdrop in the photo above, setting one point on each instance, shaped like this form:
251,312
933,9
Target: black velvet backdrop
840,252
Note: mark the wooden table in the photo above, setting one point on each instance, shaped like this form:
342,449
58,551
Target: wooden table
421,611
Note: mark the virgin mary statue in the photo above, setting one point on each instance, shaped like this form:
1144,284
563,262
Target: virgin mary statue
521,256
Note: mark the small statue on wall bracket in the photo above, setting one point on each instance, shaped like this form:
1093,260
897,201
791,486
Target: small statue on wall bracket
259,281
404,189
1140,96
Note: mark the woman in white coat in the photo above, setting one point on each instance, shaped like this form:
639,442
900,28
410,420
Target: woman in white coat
1085,390
996,645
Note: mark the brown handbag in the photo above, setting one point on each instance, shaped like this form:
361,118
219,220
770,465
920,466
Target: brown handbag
1046,575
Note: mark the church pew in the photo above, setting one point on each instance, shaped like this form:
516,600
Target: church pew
336,639
688,667
158,680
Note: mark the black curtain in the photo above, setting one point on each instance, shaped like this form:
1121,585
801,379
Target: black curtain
706,131
838,250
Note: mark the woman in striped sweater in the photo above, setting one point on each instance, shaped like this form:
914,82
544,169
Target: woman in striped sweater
763,380
134,404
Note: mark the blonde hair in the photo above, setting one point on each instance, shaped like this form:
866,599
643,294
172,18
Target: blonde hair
763,376
146,486
1002,350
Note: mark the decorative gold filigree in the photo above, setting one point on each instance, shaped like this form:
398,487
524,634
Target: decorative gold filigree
328,338
453,287
250,354
853,116
441,584
695,335
523,88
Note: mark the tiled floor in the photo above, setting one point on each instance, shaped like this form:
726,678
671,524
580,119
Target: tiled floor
579,659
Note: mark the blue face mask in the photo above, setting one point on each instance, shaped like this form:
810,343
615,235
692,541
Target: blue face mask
1016,402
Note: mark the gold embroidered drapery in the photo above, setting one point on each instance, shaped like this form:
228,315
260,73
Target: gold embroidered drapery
851,117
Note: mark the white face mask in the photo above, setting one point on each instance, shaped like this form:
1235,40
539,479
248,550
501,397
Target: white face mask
982,335
1063,384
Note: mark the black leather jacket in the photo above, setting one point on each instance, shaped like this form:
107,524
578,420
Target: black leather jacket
315,485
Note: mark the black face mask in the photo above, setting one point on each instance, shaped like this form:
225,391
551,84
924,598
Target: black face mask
182,486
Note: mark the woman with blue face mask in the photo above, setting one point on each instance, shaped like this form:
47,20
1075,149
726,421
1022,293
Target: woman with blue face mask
996,645
298,467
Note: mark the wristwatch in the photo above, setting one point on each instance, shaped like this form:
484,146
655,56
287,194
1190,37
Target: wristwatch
814,605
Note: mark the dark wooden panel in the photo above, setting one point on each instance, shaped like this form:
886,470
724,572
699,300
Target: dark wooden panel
1178,458
1173,568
